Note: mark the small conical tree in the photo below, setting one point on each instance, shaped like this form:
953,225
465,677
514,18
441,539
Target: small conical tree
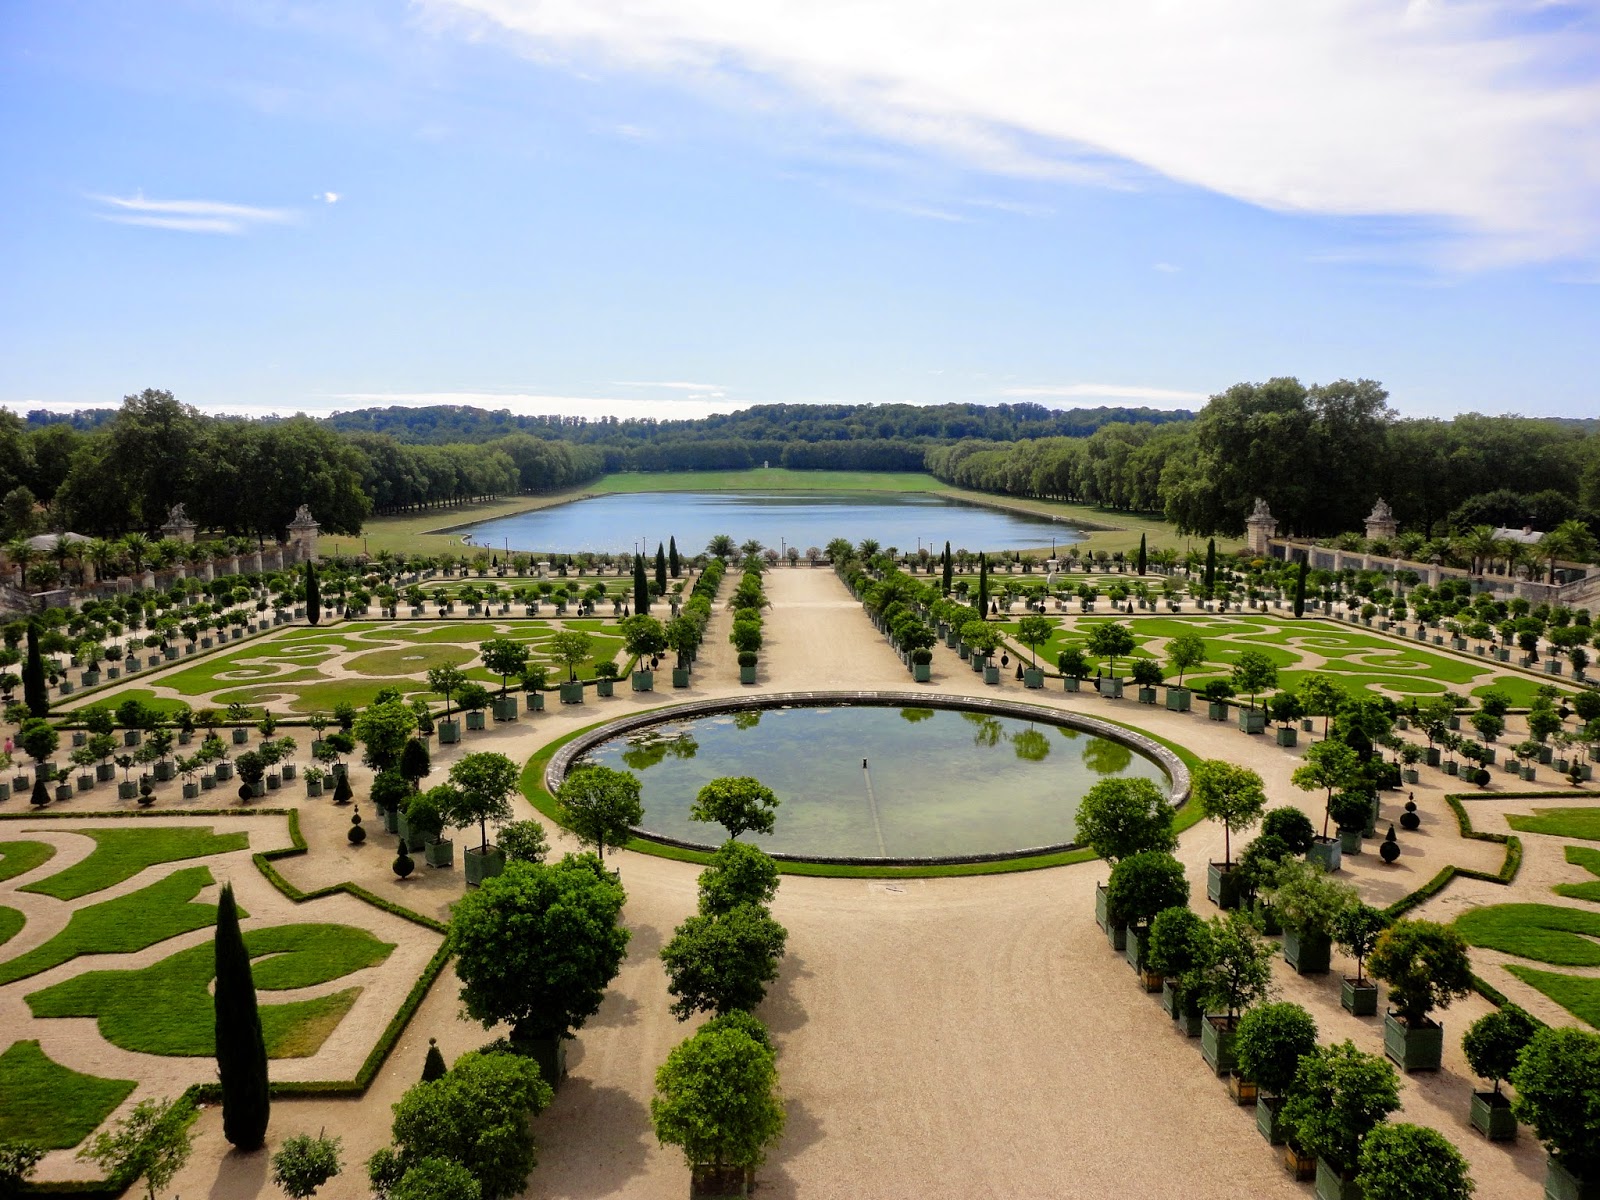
241,1049
1143,560
949,570
673,563
1300,590
433,1066
661,568
41,791
1211,565
313,594
983,585
341,790
641,587
34,692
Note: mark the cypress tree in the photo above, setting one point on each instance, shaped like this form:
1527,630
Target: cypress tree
342,792
241,1049
673,564
641,587
1211,565
313,594
949,568
661,568
41,791
1142,558
983,586
1300,590
433,1066
34,692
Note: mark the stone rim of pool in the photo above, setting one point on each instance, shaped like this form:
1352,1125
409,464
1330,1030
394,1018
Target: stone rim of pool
1177,773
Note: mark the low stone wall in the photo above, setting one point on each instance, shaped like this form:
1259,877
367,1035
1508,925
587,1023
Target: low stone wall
1178,774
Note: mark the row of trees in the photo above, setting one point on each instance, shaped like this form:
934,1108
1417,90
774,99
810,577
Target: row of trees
1320,455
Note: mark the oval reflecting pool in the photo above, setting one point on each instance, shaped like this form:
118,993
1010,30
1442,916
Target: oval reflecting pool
873,781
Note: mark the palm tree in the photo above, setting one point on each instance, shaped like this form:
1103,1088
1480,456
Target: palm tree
1482,545
1521,557
137,547
1570,540
21,552
721,546
196,555
102,554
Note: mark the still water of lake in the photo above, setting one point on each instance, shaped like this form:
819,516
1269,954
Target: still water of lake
776,519
878,782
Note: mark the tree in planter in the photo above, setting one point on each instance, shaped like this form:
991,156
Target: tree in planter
724,962
644,637
1495,1041
1425,965
1284,708
981,638
1238,971
481,785
1253,673
1320,697
1339,1095
1350,810
522,841
1179,948
1258,865
152,1142
738,803
1121,817
1033,632
446,681
739,874
717,1099
313,594
1269,1043
1110,640
1557,1078
1144,885
1411,1162
1217,691
1147,673
505,658
474,697
1309,902
469,1124
600,805
1328,764
571,649
1184,653
415,762
252,768
538,944
384,729
38,739
304,1163
1291,825
1357,930
1071,662
241,1048
1232,795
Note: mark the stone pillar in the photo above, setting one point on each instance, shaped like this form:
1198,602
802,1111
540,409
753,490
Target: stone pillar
303,534
1260,529
250,563
1381,524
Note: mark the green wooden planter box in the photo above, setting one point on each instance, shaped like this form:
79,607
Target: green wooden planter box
923,673
680,677
441,853
1117,935
1252,720
482,864
605,687
1307,953
1216,1045
1331,1185
475,720
1359,999
1110,687
1223,885
1419,1049
104,772
1562,1184
505,708
1288,735
747,674
127,790
313,787
224,771
449,732
1492,1116
1102,907
643,681
1179,699
1070,684
1032,677
1325,852
1217,710
1349,841
1267,1123
1147,695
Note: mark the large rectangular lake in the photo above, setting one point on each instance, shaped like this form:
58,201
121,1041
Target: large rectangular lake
777,519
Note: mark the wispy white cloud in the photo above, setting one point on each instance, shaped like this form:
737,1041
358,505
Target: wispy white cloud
189,216
1167,268
327,197
1481,121
1152,396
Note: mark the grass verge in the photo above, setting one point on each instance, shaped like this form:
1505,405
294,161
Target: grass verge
49,1105
122,853
18,858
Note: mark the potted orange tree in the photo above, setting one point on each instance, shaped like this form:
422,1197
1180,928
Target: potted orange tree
1142,886
1236,974
1269,1043
1557,1078
1492,1044
1426,967
1339,1095
1235,797
1118,818
1356,932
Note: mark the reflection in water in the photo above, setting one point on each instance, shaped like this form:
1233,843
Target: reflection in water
1030,745
988,731
1071,735
653,745
748,719
915,714
1106,757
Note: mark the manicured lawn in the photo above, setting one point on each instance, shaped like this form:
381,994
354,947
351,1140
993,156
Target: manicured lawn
1580,996
18,858
410,660
1589,860
166,1008
11,923
46,1104
143,695
122,853
310,698
1521,690
1548,933
1560,822
153,914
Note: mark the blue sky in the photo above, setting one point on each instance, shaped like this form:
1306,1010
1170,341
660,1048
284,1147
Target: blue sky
672,207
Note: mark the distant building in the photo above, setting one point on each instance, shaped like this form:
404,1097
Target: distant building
1527,535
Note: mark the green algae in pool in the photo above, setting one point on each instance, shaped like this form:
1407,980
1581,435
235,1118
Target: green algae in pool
937,782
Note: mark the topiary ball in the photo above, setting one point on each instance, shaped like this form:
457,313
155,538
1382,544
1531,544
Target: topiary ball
1409,821
357,835
403,863
1411,806
1390,850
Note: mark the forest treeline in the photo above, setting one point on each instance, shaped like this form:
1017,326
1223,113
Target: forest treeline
1320,455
